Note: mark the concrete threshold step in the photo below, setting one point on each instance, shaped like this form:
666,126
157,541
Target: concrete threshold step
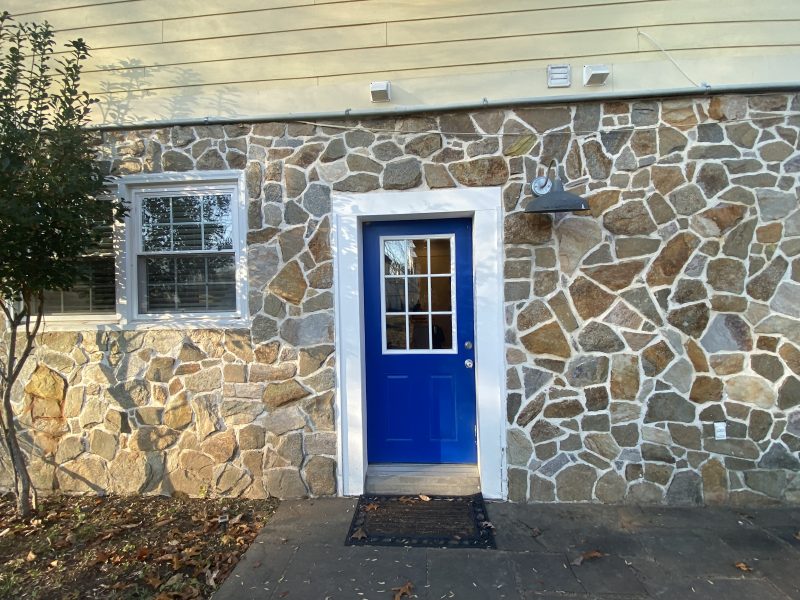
432,479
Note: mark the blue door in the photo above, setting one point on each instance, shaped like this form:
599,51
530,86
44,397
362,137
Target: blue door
419,327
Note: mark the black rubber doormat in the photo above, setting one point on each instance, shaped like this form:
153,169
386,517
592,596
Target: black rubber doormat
421,522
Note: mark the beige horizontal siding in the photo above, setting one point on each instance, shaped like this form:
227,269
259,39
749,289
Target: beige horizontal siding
281,56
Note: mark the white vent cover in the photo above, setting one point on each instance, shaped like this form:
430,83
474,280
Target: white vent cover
380,91
595,74
559,76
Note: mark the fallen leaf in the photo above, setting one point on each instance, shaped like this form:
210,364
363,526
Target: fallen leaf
31,557
359,534
370,507
797,535
407,500
424,498
154,581
588,555
404,590
743,566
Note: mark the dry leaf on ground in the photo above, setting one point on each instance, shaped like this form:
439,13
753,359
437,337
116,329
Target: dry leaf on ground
743,566
370,507
424,498
359,534
588,555
404,590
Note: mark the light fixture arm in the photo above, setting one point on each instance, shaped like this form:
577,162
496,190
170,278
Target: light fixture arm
542,184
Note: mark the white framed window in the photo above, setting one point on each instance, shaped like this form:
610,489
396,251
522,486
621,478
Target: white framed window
179,257
418,294
183,246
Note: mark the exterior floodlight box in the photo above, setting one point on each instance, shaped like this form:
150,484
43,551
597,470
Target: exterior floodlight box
380,91
595,74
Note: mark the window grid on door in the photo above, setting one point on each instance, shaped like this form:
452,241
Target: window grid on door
418,294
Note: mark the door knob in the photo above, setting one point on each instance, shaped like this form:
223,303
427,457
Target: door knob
468,363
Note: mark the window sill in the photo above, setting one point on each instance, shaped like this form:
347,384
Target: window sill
117,323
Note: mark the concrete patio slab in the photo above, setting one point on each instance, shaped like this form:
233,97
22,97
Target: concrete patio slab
649,552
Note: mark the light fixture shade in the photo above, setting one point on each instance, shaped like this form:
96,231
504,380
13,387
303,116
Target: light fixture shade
556,200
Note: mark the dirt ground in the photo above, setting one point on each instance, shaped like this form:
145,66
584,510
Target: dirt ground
135,547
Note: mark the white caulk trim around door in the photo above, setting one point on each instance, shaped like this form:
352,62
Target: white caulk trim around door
484,206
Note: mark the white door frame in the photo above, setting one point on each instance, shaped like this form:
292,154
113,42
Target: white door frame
484,205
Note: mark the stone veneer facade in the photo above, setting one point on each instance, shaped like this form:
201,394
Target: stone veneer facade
672,304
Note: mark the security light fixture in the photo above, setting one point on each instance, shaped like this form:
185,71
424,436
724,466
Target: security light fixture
595,75
550,195
380,91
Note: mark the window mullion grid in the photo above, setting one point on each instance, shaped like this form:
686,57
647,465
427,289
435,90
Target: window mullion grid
428,283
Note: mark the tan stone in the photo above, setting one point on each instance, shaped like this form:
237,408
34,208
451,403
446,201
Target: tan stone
547,339
130,473
85,474
589,299
791,356
220,446
655,358
234,373
160,369
706,389
205,380
601,201
525,228
48,386
727,364
178,413
289,283
576,236
624,376
750,390
617,276
672,258
696,356
480,171
237,342
666,179
279,372
278,394
267,353
149,439
103,444
311,359
715,482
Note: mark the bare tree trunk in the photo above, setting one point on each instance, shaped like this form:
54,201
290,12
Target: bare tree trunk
24,489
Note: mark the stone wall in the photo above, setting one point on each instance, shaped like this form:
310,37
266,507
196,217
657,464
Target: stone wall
631,329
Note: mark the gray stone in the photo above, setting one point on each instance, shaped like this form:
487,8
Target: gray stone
576,236
771,483
669,406
587,370
320,475
176,161
402,174
575,483
534,380
789,393
631,218
284,483
737,243
317,199
691,319
310,330
687,200
787,299
597,162
598,337
360,182
727,333
774,205
519,448
763,285
686,489
726,275
424,145
778,457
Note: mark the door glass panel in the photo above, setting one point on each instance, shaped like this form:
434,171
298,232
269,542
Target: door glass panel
418,294
417,257
440,294
417,287
440,256
419,334
395,291
442,332
396,333
395,256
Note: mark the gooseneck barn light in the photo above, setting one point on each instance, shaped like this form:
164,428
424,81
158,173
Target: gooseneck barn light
550,195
